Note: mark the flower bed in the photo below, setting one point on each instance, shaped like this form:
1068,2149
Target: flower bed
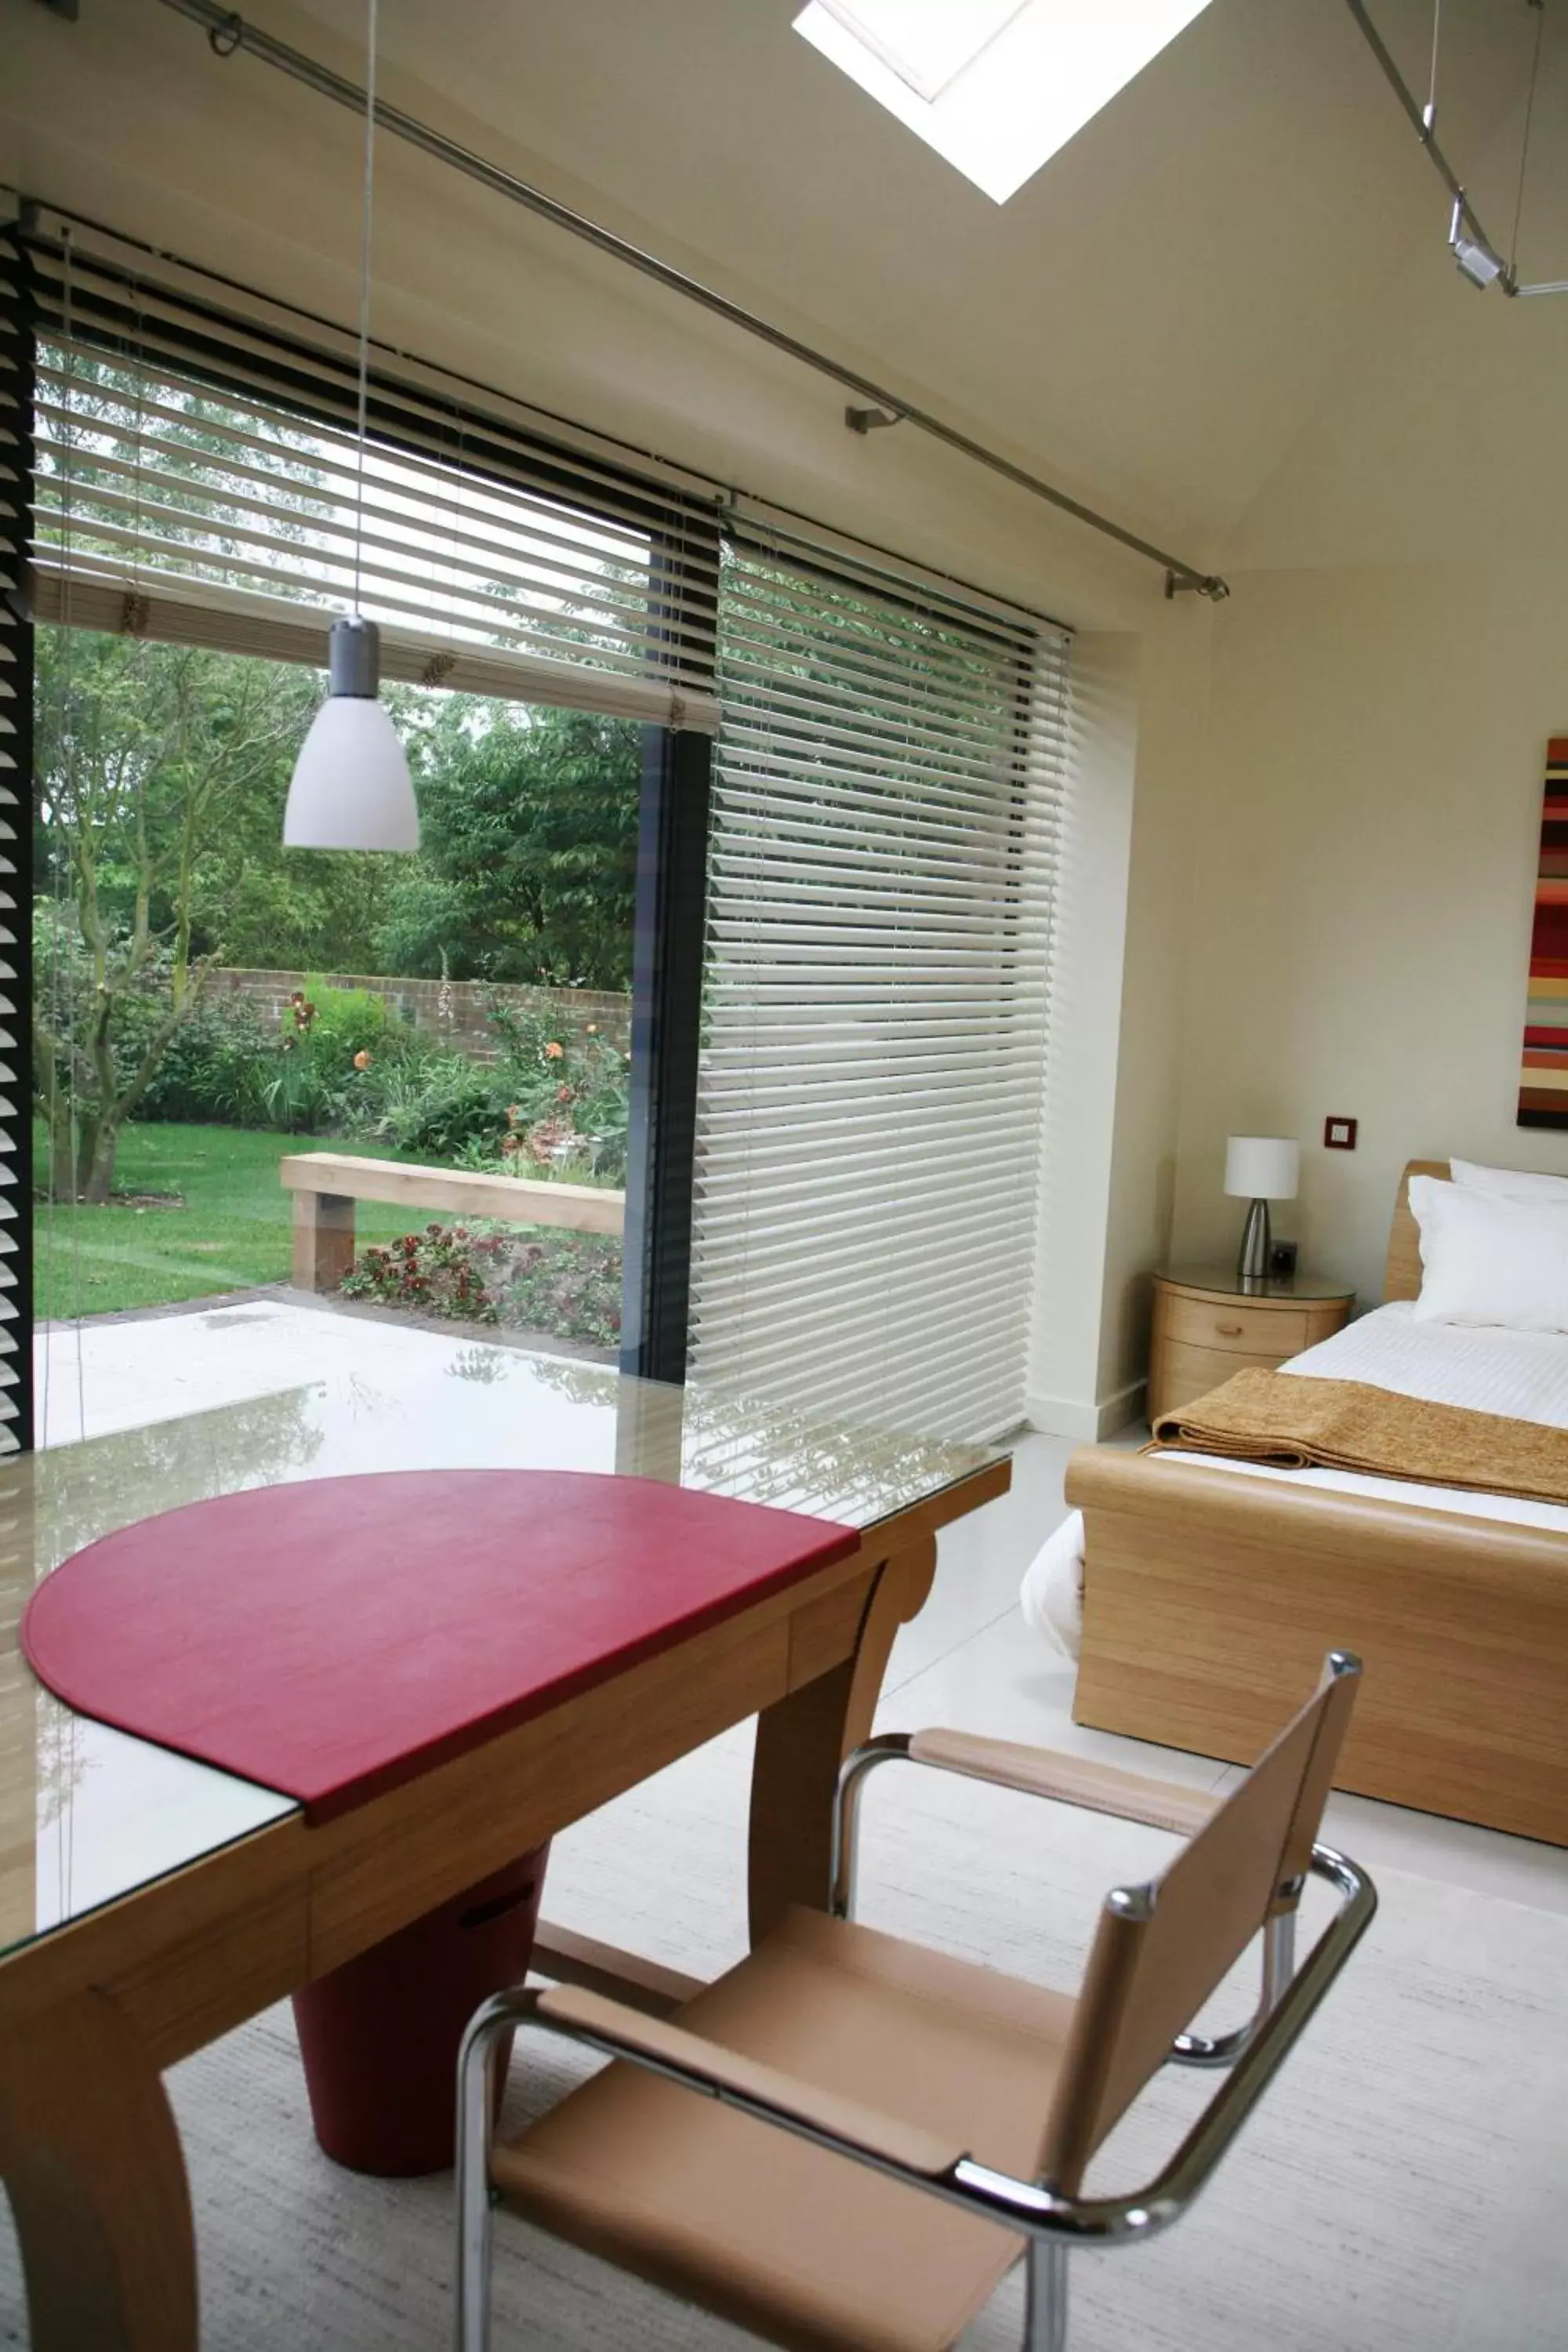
568,1285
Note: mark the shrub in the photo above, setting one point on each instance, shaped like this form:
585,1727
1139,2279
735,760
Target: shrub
547,1106
437,1271
569,1105
214,1066
568,1285
329,1041
439,1103
350,1021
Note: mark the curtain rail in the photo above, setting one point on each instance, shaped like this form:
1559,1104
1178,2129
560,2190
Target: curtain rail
229,32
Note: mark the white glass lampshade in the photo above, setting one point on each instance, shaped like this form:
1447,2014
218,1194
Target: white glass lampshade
351,788
1262,1167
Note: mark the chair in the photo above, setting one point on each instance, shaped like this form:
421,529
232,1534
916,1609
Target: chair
846,2142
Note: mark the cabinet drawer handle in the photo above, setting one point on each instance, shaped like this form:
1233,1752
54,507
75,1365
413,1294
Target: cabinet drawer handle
1230,1331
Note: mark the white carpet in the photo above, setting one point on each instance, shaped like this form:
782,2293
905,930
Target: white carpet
1401,2190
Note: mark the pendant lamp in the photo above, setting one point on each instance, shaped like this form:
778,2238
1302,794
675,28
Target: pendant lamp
351,787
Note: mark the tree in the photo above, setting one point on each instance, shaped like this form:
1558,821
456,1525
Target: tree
528,863
255,903
145,754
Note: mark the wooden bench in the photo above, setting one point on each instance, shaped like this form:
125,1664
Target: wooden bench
326,1184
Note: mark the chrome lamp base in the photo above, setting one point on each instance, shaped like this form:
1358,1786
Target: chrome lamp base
1252,1266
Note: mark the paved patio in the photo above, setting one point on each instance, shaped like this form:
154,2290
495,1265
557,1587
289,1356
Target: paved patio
111,1372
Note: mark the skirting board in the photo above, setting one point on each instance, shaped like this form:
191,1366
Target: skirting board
1069,1417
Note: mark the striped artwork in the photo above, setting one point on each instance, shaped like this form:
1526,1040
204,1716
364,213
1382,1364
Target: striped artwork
1543,1079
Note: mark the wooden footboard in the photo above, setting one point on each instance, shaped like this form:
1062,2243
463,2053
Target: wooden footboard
1210,1598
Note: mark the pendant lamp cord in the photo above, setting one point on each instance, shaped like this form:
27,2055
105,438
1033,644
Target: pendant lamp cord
367,206
1524,146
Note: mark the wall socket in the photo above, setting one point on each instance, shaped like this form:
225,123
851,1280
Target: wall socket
1282,1260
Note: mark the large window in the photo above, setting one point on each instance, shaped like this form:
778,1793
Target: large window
883,859
210,1009
209,1005
794,1008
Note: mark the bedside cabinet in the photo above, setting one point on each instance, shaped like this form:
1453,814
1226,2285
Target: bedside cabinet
1208,1324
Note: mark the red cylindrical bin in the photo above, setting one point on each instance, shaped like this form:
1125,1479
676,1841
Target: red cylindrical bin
380,2036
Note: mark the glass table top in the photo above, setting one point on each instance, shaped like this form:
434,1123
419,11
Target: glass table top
1225,1280
89,1813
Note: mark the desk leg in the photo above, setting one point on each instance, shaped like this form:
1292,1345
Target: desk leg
91,2160
804,1738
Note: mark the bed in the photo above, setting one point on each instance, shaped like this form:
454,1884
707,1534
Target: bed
1209,1591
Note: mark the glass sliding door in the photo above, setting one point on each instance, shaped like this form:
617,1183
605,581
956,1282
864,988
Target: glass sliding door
298,1109
887,803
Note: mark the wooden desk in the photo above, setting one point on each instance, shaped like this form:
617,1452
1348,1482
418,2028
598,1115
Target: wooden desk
91,2011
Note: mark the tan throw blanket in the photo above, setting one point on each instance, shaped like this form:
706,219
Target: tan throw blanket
1291,1421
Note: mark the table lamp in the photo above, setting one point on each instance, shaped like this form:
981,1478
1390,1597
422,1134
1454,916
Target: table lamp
1259,1169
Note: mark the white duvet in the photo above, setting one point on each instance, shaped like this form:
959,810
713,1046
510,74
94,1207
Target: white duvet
1521,1373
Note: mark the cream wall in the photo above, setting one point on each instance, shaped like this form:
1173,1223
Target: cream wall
1081,1071
1387,673
1108,1165
1363,879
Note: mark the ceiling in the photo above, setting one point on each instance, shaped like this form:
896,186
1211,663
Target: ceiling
1157,316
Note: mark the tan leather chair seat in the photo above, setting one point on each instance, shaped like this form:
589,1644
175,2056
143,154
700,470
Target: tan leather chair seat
804,2247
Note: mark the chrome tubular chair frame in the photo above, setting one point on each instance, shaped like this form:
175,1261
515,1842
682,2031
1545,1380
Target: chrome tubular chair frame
1051,2222
1188,2049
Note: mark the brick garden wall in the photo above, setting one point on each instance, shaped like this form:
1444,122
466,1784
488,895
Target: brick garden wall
460,1019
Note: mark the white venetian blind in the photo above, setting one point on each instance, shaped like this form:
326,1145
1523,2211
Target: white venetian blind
198,476
887,801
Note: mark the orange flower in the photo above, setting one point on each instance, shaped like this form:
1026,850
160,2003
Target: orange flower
552,1052
362,1060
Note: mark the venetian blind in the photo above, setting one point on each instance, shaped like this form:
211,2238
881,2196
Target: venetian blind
887,800
198,476
16,970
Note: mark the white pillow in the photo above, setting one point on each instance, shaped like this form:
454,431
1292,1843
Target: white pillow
1508,1183
1491,1261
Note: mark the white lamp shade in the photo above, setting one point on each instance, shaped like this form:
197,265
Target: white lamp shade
1262,1167
352,789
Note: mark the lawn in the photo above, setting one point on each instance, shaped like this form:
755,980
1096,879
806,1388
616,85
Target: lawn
232,1231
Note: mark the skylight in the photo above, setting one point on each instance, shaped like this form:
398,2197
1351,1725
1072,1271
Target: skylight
995,85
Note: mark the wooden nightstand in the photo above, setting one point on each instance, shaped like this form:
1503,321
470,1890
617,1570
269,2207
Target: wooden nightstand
1208,1324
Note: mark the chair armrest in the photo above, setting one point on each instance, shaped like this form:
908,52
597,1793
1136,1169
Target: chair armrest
1069,1780
703,2066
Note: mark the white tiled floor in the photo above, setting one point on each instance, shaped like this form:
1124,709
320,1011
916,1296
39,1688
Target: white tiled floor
969,1660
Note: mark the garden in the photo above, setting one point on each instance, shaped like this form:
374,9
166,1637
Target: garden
165,1101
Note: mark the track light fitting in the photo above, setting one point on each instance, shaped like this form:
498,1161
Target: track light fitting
1474,255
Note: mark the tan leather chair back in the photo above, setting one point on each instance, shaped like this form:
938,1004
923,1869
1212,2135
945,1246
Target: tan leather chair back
1161,1950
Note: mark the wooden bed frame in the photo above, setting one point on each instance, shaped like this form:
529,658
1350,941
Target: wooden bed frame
1210,1599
